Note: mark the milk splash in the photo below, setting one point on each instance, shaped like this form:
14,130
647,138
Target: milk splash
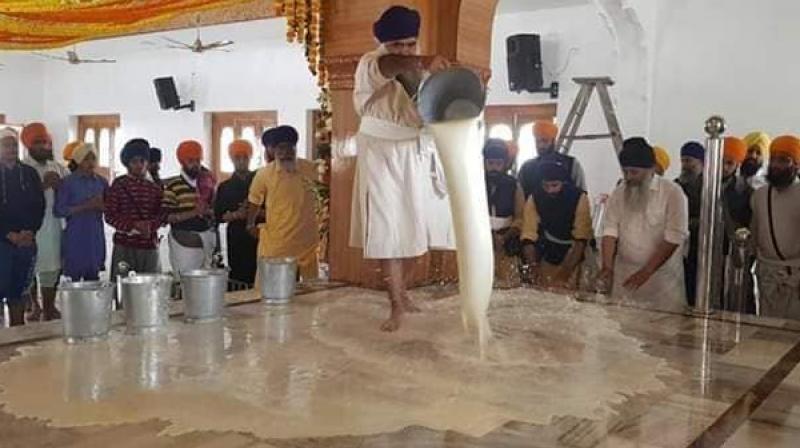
458,143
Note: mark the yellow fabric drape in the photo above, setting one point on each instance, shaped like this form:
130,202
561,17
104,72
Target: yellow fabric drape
40,24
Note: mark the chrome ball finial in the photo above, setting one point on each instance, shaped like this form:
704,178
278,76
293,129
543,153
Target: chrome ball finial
742,236
715,126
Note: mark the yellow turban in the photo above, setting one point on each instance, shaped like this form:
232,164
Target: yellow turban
545,129
788,146
69,149
240,148
662,158
82,151
760,140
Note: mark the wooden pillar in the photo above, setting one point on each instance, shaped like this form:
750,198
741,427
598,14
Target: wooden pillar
447,31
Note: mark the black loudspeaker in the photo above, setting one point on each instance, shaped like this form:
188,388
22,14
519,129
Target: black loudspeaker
524,53
167,93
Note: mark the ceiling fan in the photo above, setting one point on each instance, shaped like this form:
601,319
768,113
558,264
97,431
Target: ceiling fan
73,58
198,46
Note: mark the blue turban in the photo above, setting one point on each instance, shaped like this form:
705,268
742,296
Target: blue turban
694,150
496,149
155,155
637,153
137,147
397,23
278,135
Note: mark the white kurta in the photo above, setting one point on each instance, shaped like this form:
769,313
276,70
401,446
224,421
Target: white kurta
400,206
638,236
48,238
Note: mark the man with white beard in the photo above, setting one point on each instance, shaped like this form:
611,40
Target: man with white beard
645,225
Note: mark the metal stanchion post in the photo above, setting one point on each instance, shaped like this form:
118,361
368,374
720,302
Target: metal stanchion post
711,220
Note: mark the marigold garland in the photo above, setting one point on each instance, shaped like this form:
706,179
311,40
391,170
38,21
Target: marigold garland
304,22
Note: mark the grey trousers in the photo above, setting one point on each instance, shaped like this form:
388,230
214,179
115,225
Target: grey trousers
779,288
143,261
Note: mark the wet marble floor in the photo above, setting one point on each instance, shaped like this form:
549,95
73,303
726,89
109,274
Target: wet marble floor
559,373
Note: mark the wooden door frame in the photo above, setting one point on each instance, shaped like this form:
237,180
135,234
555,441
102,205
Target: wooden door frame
515,115
97,122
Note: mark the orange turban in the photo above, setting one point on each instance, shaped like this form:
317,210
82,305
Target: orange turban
240,148
734,149
69,149
662,158
786,145
545,129
189,149
33,132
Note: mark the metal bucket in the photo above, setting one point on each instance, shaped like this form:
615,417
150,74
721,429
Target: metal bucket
85,310
278,278
453,94
145,298
204,294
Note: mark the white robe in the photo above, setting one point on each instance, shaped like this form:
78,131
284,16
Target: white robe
400,206
639,235
48,238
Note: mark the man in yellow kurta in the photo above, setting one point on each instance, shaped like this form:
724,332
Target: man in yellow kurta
285,188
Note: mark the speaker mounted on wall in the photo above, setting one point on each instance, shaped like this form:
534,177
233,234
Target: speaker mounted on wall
524,58
167,95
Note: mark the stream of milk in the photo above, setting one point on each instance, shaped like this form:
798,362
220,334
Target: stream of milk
458,143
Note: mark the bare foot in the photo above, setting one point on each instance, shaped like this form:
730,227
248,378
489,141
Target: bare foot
53,314
35,315
395,319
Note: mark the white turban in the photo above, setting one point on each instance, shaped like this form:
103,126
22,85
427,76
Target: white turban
82,151
9,132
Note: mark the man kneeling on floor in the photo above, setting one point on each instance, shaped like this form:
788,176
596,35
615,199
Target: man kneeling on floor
557,225
505,212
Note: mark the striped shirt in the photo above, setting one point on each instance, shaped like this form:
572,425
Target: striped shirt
181,197
128,201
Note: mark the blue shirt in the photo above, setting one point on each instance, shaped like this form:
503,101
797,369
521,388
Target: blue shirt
84,244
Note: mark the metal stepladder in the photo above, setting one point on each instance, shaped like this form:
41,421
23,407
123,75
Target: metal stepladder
569,131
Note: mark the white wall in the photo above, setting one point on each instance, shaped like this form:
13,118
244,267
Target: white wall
263,72
21,96
738,58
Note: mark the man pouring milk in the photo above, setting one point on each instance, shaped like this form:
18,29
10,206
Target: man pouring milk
400,207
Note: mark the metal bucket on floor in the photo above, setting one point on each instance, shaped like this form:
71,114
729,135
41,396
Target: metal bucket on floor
85,310
145,299
204,294
278,278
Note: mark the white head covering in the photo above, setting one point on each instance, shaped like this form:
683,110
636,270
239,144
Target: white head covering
82,151
8,132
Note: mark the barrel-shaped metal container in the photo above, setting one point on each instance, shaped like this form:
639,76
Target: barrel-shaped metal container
85,310
277,279
204,294
145,298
